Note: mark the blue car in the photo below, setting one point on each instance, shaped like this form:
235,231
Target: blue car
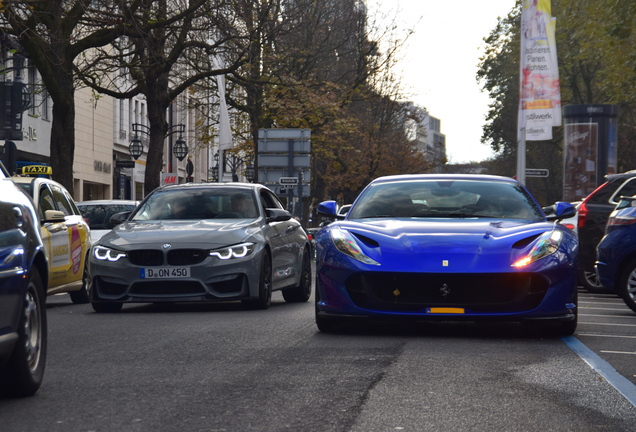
23,279
446,247
616,253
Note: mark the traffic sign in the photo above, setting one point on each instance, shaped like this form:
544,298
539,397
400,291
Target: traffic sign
533,172
284,134
288,181
282,161
278,146
119,163
273,175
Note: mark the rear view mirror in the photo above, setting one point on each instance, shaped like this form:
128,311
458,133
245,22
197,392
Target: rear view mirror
53,216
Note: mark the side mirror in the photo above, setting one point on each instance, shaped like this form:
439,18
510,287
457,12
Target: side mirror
560,211
53,216
329,209
119,218
277,215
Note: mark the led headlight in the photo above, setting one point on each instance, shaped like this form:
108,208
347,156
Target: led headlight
105,254
547,244
345,243
237,251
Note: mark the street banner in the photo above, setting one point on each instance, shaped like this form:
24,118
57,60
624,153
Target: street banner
540,95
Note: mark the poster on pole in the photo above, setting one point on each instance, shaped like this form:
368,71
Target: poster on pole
539,88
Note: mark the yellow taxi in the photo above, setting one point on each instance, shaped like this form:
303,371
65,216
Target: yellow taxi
65,233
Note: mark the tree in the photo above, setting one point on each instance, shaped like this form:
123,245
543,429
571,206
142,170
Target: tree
596,65
54,34
168,48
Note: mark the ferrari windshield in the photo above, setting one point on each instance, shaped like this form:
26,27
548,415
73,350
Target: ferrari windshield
434,198
200,203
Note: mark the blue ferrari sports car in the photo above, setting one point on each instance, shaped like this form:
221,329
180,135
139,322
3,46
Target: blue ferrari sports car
446,247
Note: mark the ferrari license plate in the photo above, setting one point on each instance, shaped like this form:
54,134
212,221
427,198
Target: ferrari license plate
165,273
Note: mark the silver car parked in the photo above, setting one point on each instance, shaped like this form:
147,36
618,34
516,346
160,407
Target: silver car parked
200,243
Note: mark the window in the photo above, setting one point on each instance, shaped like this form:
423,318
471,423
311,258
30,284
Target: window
62,201
46,201
32,86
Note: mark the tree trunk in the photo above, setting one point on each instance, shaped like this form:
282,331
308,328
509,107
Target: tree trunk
62,145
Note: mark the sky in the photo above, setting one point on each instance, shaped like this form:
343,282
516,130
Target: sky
439,64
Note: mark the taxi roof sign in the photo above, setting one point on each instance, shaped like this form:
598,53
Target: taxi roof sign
37,170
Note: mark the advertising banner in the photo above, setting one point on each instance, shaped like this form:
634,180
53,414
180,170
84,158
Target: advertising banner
539,88
581,150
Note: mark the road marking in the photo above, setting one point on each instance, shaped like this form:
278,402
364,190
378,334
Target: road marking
611,309
618,381
603,335
618,352
608,316
607,324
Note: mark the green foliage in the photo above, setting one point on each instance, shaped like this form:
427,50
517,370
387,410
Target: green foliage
597,64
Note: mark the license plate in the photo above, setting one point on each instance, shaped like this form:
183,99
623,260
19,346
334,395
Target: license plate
165,273
443,310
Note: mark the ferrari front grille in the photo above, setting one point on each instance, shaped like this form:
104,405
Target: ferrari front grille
479,292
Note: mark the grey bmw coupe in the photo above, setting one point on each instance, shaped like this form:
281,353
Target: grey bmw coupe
205,242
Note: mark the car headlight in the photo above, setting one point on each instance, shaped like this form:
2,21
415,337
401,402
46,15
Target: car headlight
345,243
105,254
237,251
547,244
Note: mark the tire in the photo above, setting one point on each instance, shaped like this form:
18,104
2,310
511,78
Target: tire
302,291
627,285
264,286
24,370
568,328
81,296
107,307
589,280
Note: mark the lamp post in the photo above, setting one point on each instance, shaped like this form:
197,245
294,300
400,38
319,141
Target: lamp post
236,161
136,147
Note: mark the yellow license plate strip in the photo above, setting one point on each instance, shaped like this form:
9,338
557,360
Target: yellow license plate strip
443,310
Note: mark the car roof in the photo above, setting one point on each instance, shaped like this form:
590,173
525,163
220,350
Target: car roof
35,180
106,202
445,177
233,185
625,175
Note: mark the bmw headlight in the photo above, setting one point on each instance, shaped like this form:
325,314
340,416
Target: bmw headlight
345,243
105,254
237,251
547,244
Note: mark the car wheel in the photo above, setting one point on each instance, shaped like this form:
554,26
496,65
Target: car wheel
589,280
627,285
107,307
569,327
264,286
302,291
24,371
81,296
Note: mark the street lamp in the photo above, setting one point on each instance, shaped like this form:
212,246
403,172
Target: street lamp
136,147
249,171
180,148
236,161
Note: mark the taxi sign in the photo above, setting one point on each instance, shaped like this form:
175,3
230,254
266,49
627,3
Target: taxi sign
37,170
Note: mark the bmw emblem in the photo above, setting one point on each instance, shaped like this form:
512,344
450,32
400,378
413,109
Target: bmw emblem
167,246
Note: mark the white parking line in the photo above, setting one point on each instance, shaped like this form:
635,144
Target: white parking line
617,352
606,324
604,335
611,309
608,316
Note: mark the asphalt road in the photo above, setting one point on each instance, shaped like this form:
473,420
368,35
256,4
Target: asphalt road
216,367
